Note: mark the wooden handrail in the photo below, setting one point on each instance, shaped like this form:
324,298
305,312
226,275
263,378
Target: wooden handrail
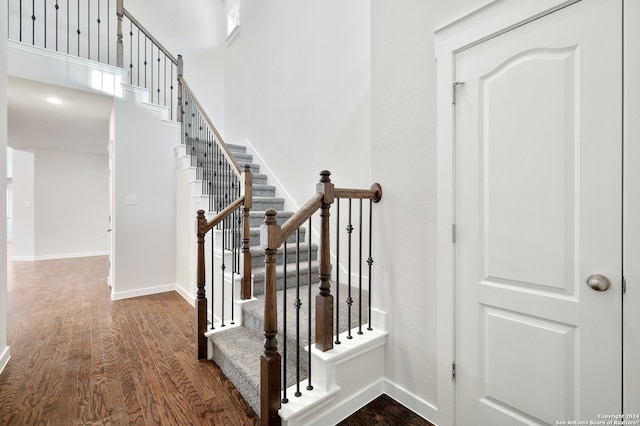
224,213
221,143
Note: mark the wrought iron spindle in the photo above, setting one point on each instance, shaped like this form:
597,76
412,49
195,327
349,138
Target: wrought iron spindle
213,281
360,270
78,30
223,267
370,260
349,299
45,23
57,7
309,386
284,328
33,22
98,21
158,90
151,74
88,30
337,342
130,52
298,305
68,28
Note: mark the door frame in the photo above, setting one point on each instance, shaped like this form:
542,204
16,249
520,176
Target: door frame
490,20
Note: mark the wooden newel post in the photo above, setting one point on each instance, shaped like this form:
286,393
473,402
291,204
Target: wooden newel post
119,45
324,300
245,290
270,361
201,300
180,71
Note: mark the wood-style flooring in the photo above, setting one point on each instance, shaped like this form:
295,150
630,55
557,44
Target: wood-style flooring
79,358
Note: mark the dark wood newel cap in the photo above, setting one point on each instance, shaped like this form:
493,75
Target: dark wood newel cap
378,188
325,176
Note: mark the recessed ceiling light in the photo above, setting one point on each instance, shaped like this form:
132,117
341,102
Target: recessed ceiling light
54,101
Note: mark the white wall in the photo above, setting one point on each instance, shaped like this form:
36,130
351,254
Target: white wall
144,232
4,349
60,204
72,204
297,87
23,246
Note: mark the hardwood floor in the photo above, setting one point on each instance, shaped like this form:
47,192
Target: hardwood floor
384,410
77,357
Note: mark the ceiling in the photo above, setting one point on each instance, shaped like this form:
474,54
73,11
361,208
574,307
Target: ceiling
79,124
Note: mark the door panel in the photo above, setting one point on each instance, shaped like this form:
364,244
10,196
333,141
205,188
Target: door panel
538,209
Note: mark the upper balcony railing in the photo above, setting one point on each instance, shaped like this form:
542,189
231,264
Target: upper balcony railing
102,31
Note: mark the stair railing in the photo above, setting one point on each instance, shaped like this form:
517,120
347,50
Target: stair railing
273,381
150,64
229,190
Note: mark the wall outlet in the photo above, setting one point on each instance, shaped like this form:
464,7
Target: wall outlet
131,200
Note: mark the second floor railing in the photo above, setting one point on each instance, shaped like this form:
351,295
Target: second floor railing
102,31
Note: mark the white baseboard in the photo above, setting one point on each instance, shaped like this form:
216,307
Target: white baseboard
414,403
60,256
120,295
186,295
4,358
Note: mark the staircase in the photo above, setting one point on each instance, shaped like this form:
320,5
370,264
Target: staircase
237,348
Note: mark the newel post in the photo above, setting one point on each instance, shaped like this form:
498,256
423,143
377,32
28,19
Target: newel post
270,360
119,45
201,300
180,71
324,300
247,177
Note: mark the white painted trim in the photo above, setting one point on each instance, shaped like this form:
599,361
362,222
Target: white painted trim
186,295
4,358
120,295
488,21
232,35
59,256
416,404
59,56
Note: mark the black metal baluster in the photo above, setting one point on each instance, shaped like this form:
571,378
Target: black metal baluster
298,305
33,22
45,23
213,281
138,55
370,259
360,271
130,52
309,387
20,37
78,30
224,266
284,328
165,83
57,22
108,31
68,27
88,30
98,21
151,74
145,61
171,88
338,271
158,76
233,259
349,299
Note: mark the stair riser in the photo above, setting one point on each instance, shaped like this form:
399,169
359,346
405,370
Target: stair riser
264,205
268,191
257,257
258,280
257,218
255,238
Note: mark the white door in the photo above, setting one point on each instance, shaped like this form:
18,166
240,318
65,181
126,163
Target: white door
538,193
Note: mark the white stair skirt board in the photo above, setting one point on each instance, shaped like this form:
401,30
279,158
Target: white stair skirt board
344,379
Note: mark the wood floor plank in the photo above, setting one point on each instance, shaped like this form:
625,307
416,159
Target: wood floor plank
80,358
